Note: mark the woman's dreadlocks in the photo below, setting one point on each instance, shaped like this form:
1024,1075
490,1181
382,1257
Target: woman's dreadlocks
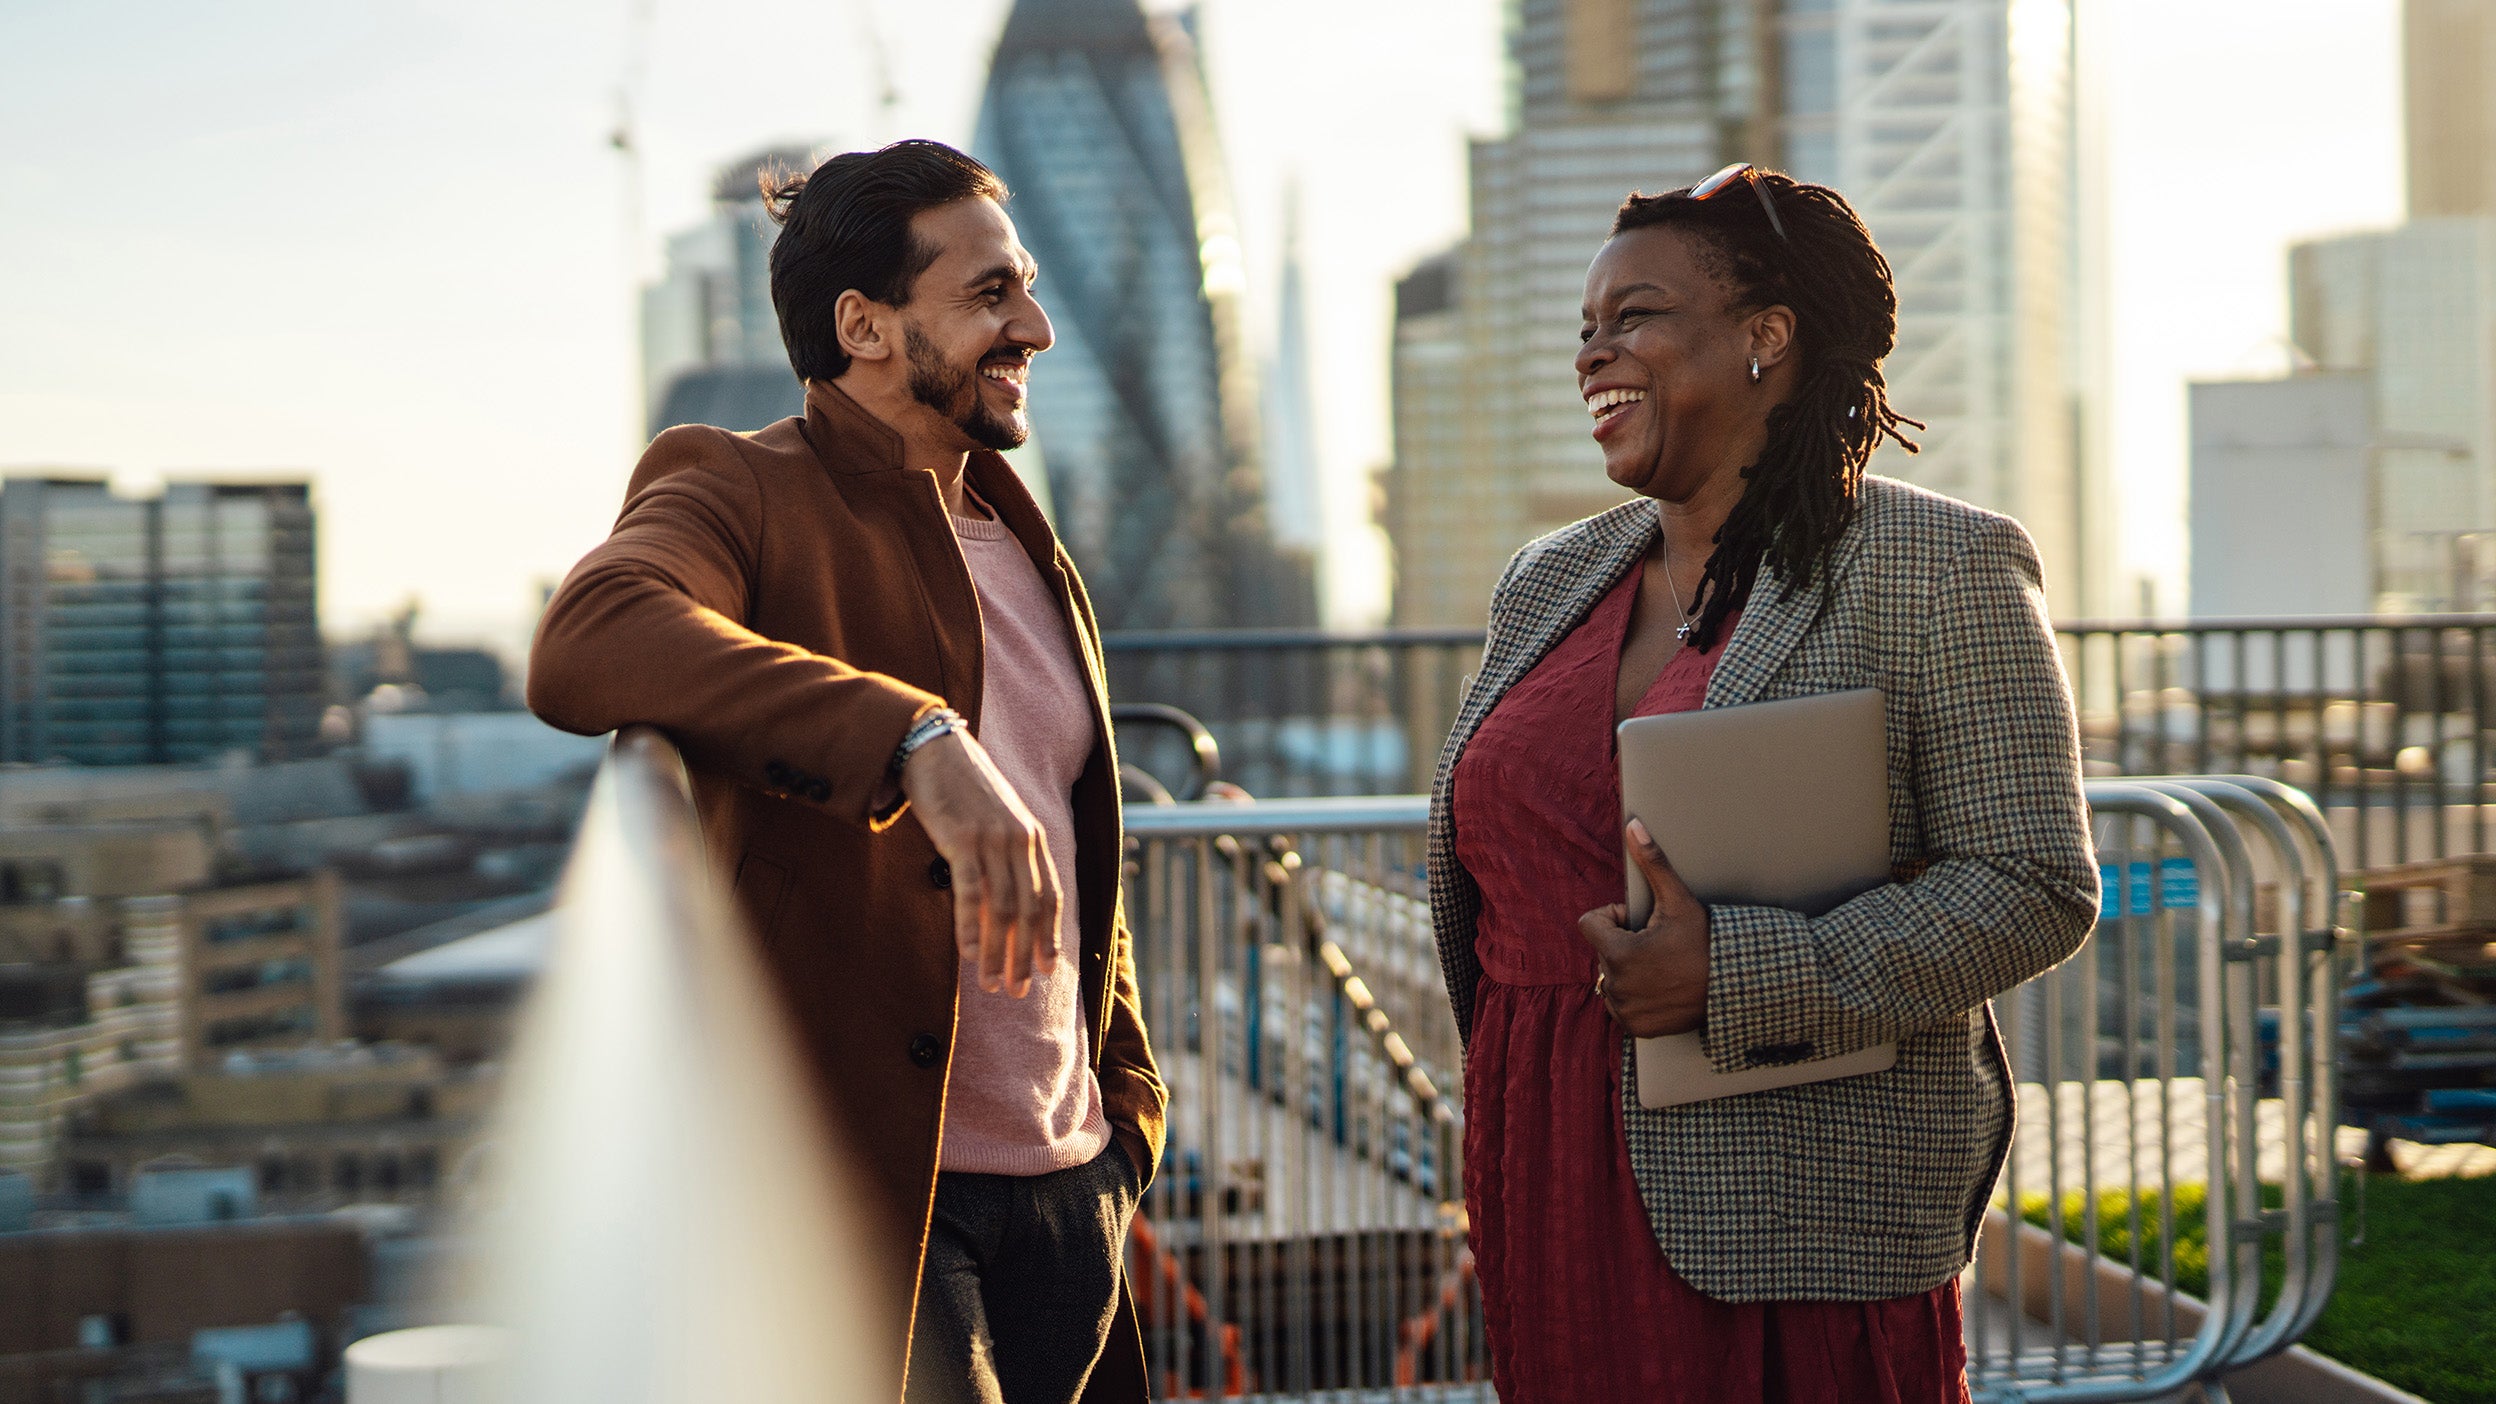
1799,497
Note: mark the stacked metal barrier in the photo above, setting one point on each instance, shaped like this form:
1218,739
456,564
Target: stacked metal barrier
1308,1235
2188,1049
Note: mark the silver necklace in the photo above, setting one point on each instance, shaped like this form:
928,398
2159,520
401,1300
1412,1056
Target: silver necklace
1682,634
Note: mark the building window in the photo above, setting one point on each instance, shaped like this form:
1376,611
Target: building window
74,1066
243,926
32,880
1810,70
129,1050
261,975
1600,48
347,1174
292,1023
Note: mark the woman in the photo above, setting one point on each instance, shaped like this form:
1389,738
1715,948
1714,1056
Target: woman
1800,1244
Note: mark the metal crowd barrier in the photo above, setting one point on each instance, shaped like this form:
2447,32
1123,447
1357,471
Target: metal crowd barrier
2181,1065
1308,1233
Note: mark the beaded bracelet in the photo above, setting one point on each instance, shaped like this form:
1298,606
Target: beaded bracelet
939,721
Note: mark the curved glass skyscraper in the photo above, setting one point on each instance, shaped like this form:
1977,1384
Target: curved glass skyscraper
1145,412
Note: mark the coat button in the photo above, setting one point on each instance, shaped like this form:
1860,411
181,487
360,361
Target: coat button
940,873
778,773
924,1050
818,790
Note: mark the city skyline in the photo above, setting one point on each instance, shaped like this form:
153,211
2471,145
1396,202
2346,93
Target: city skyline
284,292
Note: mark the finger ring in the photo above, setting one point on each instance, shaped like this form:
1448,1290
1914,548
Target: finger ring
1602,977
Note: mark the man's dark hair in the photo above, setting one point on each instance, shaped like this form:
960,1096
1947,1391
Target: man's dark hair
1799,498
848,226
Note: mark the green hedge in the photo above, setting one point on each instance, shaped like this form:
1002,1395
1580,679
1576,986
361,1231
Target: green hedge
2415,1304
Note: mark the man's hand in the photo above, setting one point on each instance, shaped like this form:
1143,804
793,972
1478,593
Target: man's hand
1653,980
1005,892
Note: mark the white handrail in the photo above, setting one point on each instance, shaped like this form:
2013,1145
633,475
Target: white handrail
663,1217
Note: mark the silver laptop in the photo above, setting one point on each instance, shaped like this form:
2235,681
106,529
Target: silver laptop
1772,804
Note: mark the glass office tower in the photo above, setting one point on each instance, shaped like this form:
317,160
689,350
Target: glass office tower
144,631
1146,411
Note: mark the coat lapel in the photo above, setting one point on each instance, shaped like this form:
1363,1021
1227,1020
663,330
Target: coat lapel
1774,621
1562,585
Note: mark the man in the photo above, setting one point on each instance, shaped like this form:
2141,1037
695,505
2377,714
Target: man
886,679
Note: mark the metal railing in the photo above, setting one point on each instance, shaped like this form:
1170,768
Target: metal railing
1300,712
1314,1210
664,1219
1312,1198
2384,721
2188,1050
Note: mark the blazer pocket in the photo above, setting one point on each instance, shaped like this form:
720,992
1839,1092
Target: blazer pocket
761,886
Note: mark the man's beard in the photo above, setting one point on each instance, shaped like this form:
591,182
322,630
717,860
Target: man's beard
940,387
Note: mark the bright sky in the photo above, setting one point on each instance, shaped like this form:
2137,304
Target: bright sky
391,245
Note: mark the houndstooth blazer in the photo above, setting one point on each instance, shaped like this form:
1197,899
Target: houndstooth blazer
1869,1187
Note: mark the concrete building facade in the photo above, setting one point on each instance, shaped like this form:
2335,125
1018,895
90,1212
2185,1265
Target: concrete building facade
2281,497
127,956
710,342
2412,311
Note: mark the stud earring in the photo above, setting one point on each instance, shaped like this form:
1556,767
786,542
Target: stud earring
1754,370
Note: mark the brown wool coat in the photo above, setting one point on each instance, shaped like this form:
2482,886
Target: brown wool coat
783,605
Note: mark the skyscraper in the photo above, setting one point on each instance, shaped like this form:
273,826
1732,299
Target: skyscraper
1292,485
710,342
2407,311
1146,413
178,627
1946,124
2448,59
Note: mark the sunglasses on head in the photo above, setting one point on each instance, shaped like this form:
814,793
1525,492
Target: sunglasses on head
1747,173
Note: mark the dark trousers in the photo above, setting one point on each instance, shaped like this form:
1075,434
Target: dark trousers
1021,1283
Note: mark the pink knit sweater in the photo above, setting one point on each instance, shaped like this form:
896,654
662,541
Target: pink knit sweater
1021,1098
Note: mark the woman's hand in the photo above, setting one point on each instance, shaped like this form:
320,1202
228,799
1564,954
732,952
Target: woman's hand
1653,980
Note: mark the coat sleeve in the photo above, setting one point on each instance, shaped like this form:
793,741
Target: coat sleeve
1133,1096
648,628
2011,886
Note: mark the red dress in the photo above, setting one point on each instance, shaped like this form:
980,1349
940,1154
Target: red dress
1580,1303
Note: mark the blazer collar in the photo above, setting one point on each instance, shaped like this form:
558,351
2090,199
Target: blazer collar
845,436
850,441
1779,615
1565,580
1593,560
